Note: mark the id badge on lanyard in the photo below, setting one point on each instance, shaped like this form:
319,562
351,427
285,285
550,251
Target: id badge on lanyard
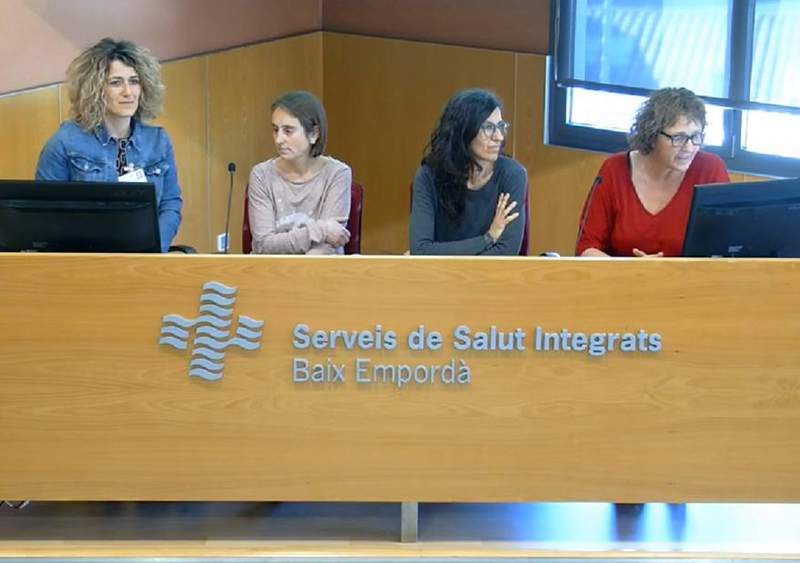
133,175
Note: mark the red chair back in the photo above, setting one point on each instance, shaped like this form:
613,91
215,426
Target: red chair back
247,235
523,248
353,221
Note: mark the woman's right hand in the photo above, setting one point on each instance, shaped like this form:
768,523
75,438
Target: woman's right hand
502,216
640,254
335,233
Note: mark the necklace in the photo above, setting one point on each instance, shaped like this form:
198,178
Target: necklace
122,156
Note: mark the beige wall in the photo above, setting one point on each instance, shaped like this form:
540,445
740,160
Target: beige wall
38,38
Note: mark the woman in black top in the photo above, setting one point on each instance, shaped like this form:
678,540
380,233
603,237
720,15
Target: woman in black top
467,196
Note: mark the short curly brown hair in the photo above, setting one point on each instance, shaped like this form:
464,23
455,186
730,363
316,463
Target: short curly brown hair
86,81
660,111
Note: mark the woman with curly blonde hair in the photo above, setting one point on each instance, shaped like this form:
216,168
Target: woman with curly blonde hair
113,86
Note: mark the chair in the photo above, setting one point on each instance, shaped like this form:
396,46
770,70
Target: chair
353,221
523,247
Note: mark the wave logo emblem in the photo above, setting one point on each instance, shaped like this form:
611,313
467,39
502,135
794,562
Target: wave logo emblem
212,331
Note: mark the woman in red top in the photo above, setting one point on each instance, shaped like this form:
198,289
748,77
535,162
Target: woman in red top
640,203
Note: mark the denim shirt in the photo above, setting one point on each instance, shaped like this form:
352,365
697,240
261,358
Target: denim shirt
72,154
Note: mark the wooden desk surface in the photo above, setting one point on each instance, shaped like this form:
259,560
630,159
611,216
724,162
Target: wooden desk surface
93,408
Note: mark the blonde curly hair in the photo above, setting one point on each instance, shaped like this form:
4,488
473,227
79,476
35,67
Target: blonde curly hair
87,74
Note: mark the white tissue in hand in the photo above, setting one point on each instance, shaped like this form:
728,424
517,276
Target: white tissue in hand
292,221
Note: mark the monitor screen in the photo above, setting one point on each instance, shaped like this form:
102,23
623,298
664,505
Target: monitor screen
78,217
749,219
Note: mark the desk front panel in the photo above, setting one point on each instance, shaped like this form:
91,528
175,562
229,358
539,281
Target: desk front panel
615,380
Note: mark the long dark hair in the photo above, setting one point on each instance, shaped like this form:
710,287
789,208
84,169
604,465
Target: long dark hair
448,155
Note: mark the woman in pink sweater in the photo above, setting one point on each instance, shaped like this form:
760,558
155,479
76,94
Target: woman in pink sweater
300,200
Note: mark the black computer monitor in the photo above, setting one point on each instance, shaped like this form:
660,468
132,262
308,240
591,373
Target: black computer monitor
749,219
78,217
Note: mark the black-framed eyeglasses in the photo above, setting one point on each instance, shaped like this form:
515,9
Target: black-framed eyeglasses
488,128
680,139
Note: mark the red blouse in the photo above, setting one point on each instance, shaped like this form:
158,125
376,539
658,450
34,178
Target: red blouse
617,222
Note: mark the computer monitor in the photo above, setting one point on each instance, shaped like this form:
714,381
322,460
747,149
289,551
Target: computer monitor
78,217
749,219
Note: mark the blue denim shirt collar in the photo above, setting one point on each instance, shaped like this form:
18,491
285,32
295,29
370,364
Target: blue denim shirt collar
105,138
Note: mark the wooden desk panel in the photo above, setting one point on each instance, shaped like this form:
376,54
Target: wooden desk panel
92,408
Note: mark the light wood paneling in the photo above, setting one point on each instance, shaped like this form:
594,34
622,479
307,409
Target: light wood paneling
242,85
65,108
26,122
559,178
185,120
383,98
93,408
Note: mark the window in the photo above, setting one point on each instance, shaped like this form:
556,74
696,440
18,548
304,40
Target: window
739,55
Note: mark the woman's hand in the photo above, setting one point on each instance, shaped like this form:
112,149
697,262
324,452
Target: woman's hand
335,233
502,216
639,254
594,253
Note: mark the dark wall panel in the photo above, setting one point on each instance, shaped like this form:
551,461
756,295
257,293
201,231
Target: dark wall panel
38,38
512,25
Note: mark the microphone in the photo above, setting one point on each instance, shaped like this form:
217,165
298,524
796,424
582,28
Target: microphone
597,182
231,170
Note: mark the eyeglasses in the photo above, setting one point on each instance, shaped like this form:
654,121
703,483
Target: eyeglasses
488,128
680,139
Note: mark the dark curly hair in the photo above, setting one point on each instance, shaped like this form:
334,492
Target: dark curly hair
660,111
448,155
